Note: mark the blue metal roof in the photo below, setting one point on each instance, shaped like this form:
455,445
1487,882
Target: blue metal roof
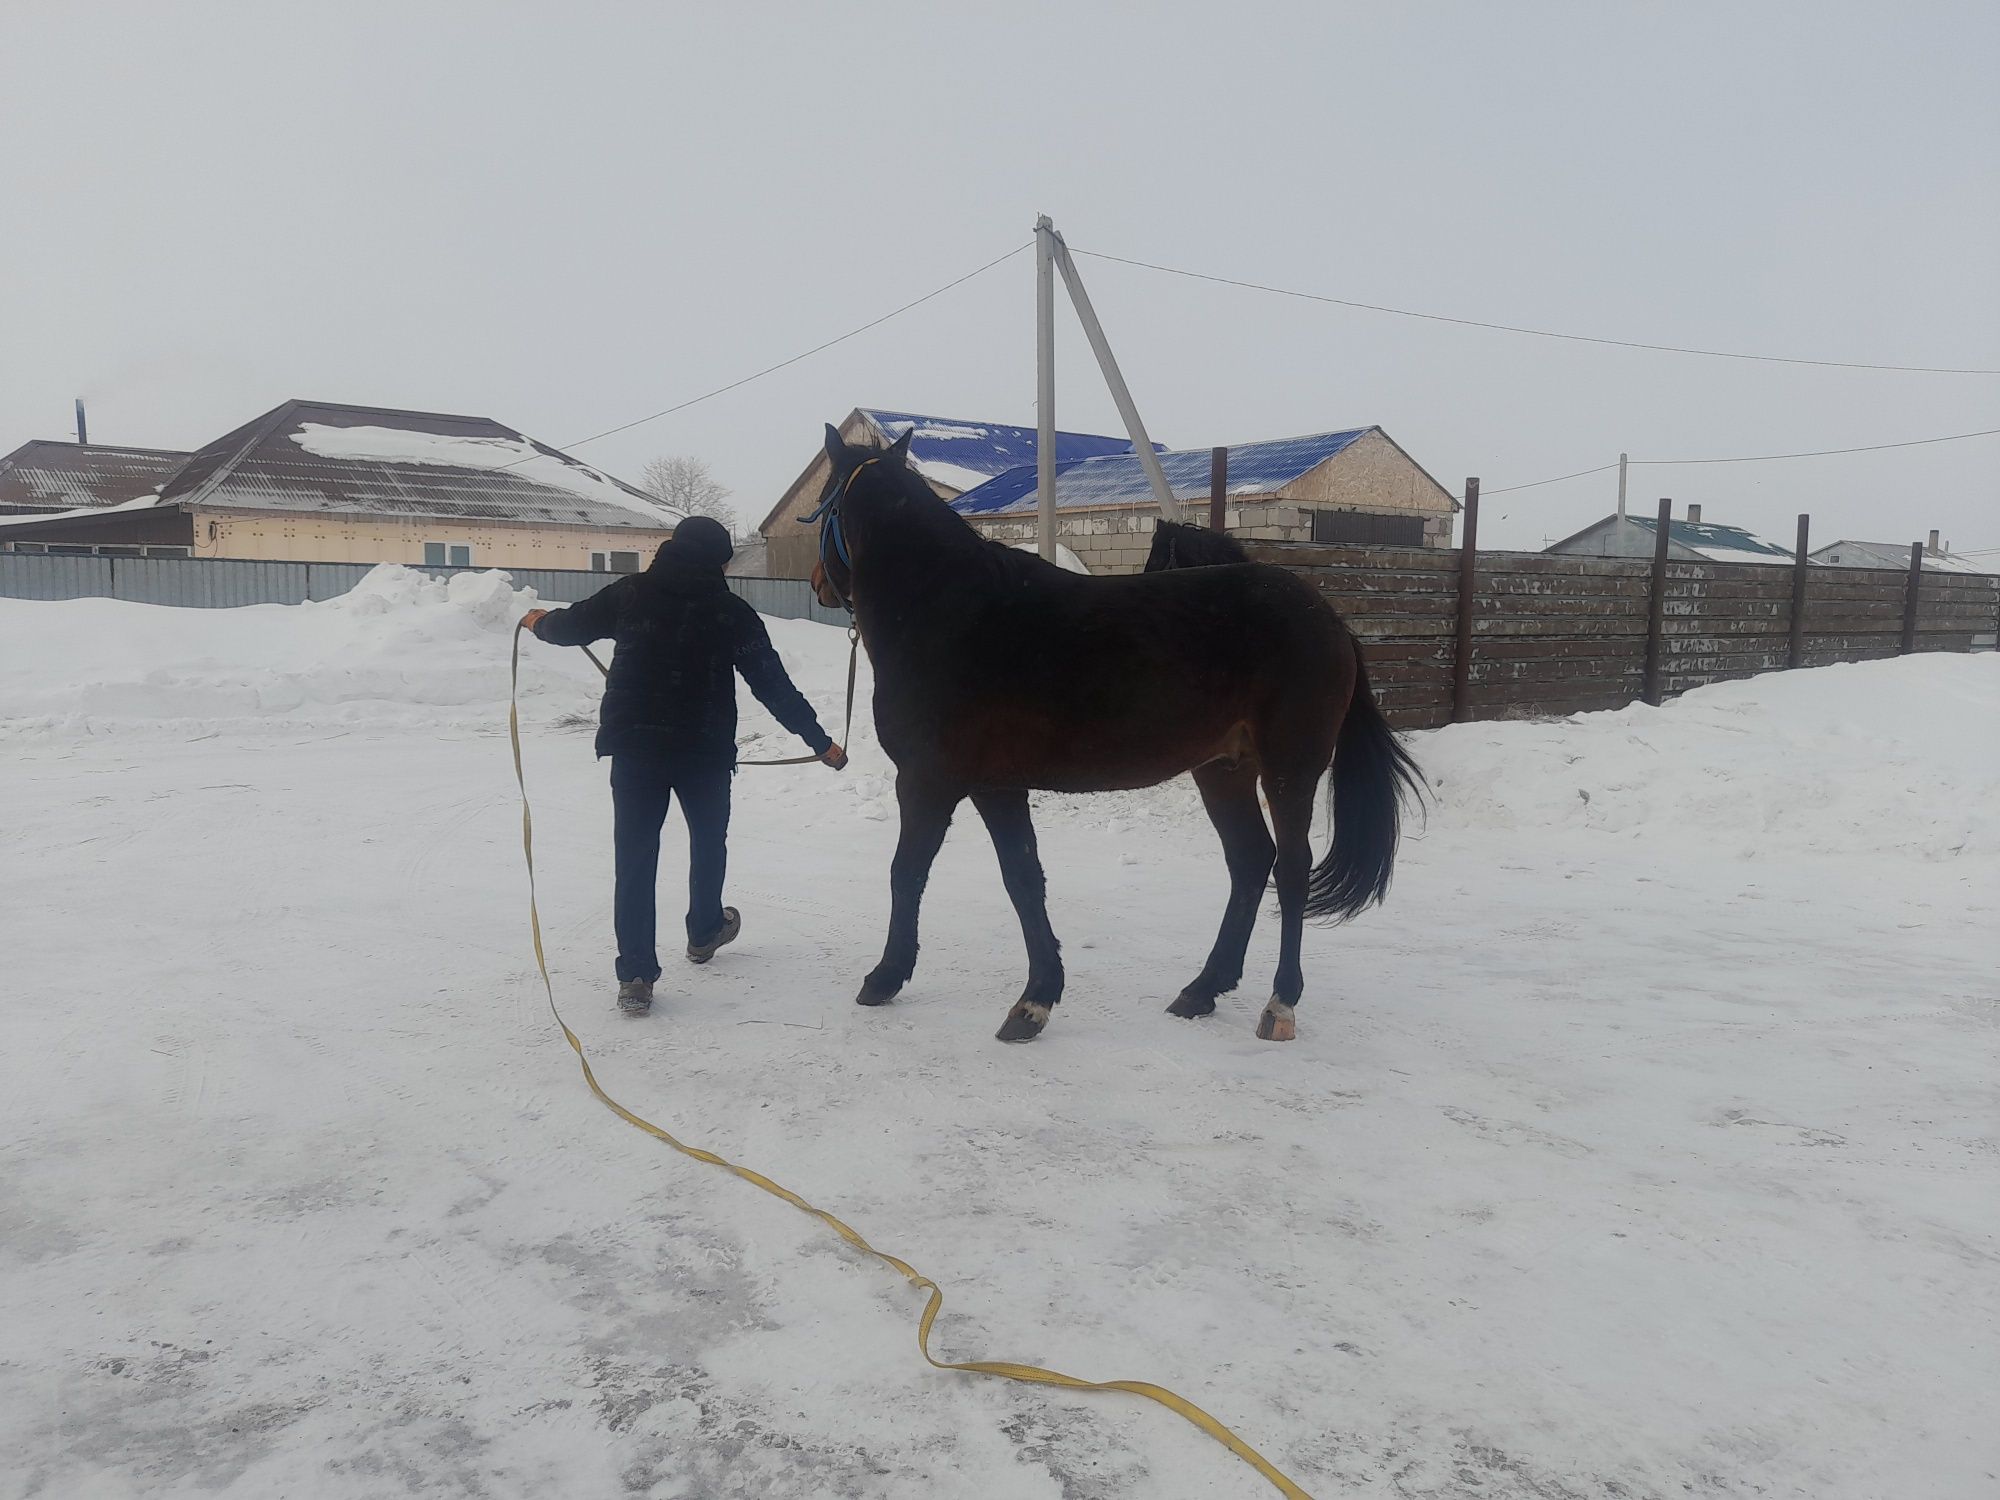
1254,469
1706,537
982,448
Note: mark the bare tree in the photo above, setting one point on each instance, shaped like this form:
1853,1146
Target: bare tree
685,483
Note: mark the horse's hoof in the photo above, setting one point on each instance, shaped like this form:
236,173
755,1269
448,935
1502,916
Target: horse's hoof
876,991
1192,1005
1278,1023
1024,1022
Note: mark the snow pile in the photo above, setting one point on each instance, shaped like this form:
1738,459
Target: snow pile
397,445
1865,757
1876,757
401,649
1065,559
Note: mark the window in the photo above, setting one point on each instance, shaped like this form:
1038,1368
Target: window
446,555
167,551
1358,526
597,562
624,562
433,554
461,557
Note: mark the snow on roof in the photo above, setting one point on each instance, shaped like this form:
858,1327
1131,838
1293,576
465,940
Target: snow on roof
1254,469
1718,543
52,476
80,513
326,457
962,455
1848,553
515,455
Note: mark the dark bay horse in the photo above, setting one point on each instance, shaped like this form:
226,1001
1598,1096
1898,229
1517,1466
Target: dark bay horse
997,673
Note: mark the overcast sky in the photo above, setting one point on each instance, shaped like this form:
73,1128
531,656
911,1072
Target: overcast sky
568,216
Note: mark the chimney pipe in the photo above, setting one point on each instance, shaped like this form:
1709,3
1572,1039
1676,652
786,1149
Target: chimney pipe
82,431
1694,511
1932,546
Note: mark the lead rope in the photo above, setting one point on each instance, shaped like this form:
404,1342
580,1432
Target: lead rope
846,729
934,1298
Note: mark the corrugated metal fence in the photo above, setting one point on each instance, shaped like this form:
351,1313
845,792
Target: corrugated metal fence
223,583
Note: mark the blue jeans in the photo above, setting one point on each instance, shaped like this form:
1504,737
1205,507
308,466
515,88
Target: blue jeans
642,789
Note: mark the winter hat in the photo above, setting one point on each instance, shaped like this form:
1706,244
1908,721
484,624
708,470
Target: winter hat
700,539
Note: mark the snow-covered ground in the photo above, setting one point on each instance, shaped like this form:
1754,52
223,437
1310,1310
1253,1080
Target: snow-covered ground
1646,1143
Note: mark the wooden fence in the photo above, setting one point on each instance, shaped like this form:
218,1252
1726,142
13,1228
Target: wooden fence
1559,635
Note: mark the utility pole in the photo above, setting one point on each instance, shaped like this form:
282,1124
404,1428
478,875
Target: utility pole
82,431
1045,388
1621,489
1094,331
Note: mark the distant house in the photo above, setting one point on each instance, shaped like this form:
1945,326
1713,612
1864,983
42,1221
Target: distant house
1691,540
1852,554
43,477
1353,486
316,481
953,456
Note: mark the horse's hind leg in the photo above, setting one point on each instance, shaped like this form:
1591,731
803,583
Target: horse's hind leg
1013,830
1229,792
926,810
1291,800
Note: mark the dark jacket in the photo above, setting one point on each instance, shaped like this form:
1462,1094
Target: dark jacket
681,638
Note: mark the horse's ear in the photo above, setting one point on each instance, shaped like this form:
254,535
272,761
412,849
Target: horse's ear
835,448
898,452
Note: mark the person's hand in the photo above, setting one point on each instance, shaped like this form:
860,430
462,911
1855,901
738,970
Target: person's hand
835,757
532,618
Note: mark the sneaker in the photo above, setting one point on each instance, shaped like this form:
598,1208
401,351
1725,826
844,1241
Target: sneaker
732,923
635,996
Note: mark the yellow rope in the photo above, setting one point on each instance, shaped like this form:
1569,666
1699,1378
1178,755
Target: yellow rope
934,1298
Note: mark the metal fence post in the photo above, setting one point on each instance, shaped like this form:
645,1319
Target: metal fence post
1795,654
1218,488
1468,582
1656,609
1910,597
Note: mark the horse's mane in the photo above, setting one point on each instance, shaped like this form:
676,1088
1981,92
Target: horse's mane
1179,545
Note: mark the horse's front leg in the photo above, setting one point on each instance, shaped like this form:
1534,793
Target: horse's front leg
1013,830
926,808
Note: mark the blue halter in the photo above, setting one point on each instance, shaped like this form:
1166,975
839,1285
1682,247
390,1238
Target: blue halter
832,535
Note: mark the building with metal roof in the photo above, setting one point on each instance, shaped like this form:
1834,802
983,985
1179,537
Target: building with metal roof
1937,557
43,476
323,481
1354,486
952,454
1689,540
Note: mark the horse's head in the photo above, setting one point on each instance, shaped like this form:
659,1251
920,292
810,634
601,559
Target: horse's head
848,466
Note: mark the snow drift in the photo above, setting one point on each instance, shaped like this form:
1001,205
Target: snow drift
1876,757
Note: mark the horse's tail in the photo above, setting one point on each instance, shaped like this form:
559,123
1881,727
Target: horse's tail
1371,774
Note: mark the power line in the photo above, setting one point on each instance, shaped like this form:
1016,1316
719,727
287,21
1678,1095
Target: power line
1760,458
784,363
1750,458
1540,333
1532,484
